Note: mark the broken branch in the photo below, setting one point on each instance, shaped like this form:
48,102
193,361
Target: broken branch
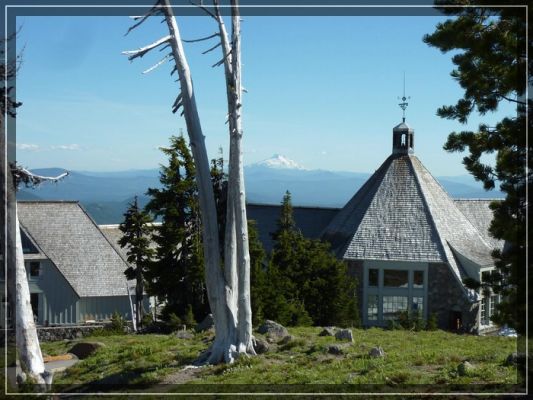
157,64
143,50
201,39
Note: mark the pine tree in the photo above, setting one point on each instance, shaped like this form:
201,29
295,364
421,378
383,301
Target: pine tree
307,283
136,231
490,56
177,274
257,273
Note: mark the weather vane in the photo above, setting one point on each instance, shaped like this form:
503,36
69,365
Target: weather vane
403,105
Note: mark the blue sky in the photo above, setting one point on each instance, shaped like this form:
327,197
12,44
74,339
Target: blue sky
321,91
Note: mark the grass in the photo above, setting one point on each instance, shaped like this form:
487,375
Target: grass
411,358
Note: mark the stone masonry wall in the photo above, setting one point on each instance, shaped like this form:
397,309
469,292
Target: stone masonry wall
65,332
446,296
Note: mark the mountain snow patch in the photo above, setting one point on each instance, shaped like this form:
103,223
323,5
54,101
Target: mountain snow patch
278,161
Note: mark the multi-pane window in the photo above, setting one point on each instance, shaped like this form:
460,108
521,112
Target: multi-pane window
418,279
373,277
372,307
483,313
393,305
395,278
35,268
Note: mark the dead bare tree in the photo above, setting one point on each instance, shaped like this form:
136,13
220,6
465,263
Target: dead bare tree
228,288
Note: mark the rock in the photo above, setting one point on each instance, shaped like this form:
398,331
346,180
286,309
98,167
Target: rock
335,349
272,328
21,377
206,324
464,368
327,331
376,352
261,346
515,359
79,334
85,349
344,334
286,339
184,335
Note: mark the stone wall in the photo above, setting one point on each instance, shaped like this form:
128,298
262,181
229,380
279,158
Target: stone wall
65,332
446,297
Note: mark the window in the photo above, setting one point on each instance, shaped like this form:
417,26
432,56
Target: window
35,268
393,305
418,279
395,278
373,276
372,307
494,299
483,313
417,305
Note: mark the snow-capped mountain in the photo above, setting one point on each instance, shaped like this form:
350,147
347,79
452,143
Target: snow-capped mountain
278,161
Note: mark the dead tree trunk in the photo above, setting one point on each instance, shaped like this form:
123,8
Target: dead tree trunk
228,288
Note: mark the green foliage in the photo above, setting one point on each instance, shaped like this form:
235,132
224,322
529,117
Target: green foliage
432,323
411,357
177,274
189,320
174,322
118,324
258,278
307,284
147,319
489,46
136,231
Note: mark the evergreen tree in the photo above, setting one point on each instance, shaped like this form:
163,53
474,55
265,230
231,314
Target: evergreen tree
257,273
136,231
307,283
177,274
490,56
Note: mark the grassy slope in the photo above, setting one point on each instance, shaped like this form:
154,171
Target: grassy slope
411,358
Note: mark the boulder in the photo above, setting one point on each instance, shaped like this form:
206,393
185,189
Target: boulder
515,359
261,346
286,339
335,349
376,352
206,324
464,368
184,335
85,349
327,331
344,334
272,328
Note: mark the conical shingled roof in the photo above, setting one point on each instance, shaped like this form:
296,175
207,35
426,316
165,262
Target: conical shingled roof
403,214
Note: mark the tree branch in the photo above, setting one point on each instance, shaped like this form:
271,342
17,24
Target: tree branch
143,50
212,48
157,64
153,11
201,39
219,63
204,9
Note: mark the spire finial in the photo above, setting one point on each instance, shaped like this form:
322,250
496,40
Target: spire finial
403,105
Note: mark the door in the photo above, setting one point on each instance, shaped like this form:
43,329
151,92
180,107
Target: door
34,299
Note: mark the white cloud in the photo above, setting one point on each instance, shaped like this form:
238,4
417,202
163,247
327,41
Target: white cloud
28,147
69,147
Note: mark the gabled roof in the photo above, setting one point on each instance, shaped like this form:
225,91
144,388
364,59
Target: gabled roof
402,213
73,242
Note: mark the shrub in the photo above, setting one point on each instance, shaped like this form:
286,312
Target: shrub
189,320
147,320
174,322
118,324
432,324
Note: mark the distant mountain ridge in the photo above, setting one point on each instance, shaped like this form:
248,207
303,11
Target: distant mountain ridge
106,195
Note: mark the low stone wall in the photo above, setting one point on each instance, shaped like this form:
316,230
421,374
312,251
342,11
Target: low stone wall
51,334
